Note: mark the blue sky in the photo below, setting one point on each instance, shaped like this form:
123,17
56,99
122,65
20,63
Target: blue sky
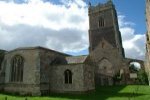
62,25
135,12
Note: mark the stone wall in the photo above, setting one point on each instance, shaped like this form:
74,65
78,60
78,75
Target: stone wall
148,16
48,58
53,66
109,53
147,61
43,72
57,81
89,82
31,72
108,60
23,89
147,64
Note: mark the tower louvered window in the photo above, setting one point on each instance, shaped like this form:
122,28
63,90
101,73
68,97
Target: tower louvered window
101,22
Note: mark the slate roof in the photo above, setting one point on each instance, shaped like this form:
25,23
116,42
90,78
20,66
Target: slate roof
76,59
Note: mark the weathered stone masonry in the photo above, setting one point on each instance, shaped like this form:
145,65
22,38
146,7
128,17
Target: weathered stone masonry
41,71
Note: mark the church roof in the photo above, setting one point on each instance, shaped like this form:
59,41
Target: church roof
76,59
39,47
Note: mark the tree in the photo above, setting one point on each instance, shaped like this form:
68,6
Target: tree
141,74
142,77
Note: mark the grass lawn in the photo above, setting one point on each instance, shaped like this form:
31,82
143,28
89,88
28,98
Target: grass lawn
130,92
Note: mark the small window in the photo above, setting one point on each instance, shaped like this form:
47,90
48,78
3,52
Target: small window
104,67
103,44
101,22
68,77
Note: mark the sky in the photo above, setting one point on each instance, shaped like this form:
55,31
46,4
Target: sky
62,25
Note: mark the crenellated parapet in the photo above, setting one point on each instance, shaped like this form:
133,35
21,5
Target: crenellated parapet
101,7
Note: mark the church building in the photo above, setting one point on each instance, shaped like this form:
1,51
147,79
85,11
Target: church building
40,71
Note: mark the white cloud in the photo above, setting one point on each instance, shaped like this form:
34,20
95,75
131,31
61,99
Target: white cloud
62,27
133,43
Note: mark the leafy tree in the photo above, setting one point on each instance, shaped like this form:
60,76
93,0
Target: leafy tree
142,77
141,74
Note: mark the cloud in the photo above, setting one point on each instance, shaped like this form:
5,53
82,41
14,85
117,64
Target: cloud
133,43
36,23
62,27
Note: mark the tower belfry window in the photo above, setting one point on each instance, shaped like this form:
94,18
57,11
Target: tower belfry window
101,22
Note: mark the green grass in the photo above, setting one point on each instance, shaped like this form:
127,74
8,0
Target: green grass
130,92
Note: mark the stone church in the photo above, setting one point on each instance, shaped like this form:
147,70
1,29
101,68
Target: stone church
40,71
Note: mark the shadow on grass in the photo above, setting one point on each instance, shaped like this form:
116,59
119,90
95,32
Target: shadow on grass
101,93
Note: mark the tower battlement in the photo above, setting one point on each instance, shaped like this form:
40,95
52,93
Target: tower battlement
101,7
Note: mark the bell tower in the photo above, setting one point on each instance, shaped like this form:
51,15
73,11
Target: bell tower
103,24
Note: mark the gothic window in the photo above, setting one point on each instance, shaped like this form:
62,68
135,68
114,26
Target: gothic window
101,22
104,67
17,69
68,77
134,66
103,44
4,65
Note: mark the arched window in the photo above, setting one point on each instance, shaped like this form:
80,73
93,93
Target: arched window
103,44
134,66
68,77
101,22
17,69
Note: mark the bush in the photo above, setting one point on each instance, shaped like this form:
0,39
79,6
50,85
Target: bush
142,77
